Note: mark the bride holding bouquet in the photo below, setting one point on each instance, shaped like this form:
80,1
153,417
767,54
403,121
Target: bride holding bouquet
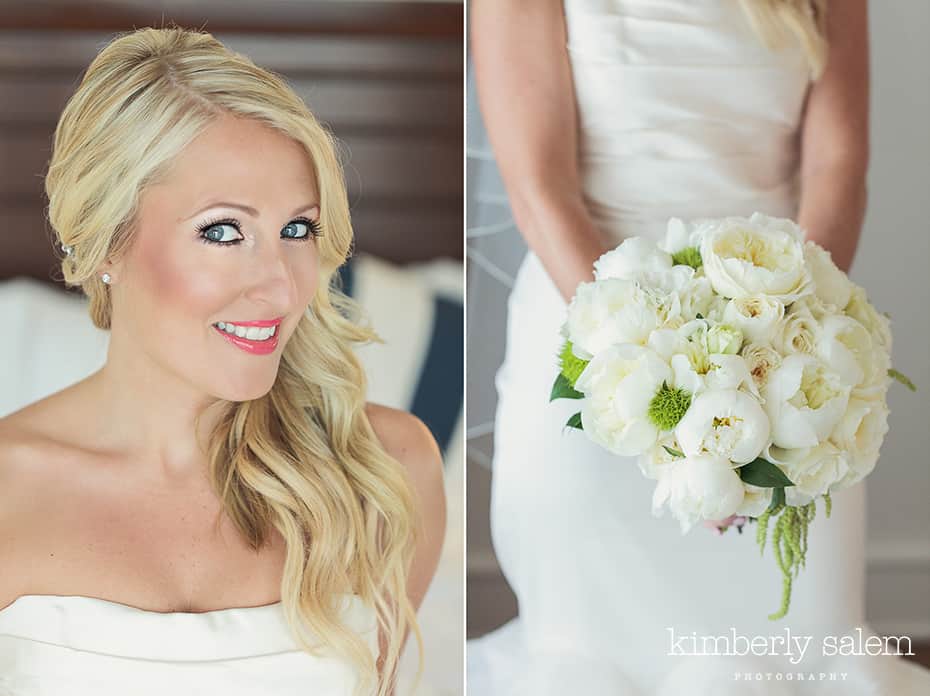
607,119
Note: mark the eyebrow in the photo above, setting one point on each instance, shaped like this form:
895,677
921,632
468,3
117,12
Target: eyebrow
245,208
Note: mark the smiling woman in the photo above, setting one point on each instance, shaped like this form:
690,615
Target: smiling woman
206,503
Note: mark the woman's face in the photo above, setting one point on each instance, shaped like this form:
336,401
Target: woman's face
196,260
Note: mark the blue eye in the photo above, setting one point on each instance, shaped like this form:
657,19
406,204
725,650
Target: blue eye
293,229
213,232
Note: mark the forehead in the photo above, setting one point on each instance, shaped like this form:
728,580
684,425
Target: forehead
242,160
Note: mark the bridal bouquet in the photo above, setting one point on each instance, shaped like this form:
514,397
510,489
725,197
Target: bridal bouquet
741,367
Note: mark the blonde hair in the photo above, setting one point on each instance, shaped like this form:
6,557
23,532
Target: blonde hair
303,458
774,20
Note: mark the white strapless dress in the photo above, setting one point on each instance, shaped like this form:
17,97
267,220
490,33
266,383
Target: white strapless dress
683,112
54,645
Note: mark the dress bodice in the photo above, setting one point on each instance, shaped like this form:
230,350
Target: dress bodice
683,111
83,646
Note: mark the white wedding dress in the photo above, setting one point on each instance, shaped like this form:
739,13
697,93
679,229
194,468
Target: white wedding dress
68,645
683,112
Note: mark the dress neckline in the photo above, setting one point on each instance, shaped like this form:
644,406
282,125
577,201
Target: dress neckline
92,624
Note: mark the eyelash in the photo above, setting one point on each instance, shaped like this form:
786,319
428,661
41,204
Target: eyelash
313,226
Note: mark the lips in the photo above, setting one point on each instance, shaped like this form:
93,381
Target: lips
258,342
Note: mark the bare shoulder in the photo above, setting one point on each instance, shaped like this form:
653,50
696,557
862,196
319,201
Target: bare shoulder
407,438
21,485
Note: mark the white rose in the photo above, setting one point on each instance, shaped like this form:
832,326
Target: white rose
860,309
725,422
804,401
632,257
607,312
797,331
812,470
703,486
755,315
755,501
619,383
761,360
860,433
830,283
761,255
846,346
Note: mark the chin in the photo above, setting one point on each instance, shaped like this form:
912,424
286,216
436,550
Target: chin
249,391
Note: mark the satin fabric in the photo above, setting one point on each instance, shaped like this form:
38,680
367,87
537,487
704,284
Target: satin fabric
682,112
82,646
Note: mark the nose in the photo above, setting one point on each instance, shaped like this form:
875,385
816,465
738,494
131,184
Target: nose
272,282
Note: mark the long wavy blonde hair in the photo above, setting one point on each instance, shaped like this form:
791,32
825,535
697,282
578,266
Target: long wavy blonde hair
775,20
303,458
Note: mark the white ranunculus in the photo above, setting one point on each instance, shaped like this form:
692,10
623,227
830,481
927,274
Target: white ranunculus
618,384
846,346
830,283
608,312
759,255
755,501
804,400
761,360
704,486
755,315
634,256
860,432
812,470
860,309
725,422
797,331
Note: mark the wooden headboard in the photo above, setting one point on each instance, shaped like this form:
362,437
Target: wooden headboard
386,77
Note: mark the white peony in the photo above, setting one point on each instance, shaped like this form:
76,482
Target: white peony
830,283
812,470
656,460
755,500
878,325
761,360
704,486
761,255
608,312
619,383
804,400
680,235
697,372
860,433
632,257
724,422
755,315
846,346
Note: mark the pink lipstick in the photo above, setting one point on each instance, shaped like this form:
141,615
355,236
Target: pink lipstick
255,346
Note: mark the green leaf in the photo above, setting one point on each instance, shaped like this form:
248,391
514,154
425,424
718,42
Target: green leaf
894,374
562,389
575,422
674,452
778,498
764,474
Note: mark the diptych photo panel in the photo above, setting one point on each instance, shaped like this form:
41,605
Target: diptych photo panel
464,348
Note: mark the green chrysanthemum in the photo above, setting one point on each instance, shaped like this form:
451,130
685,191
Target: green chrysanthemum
689,256
668,406
572,365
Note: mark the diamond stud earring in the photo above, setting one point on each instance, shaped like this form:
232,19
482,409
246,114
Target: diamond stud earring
106,278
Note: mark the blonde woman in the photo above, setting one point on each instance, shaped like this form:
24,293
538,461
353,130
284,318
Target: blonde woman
606,118
217,510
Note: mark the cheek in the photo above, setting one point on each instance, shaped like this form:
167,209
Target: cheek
179,285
